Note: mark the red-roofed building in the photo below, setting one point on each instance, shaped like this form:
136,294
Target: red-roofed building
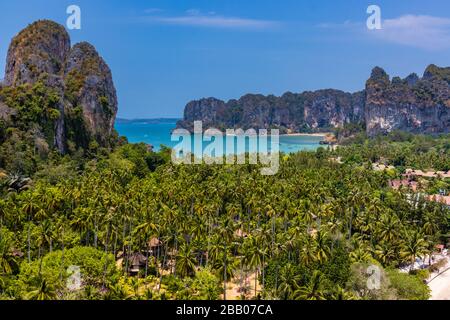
405,184
441,199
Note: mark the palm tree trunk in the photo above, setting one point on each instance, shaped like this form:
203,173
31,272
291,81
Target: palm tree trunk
225,274
263,275
162,266
176,253
115,245
256,281
106,251
276,277
209,241
62,255
124,253
350,225
28,241
95,235
146,257
129,243
242,276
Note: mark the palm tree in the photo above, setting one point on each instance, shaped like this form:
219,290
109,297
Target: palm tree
360,254
414,246
185,261
312,290
341,294
3,212
322,248
148,229
389,227
254,258
225,266
119,292
7,259
18,183
385,253
29,207
289,280
308,251
44,291
47,233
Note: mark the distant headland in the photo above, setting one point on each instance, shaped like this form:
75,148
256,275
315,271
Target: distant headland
413,104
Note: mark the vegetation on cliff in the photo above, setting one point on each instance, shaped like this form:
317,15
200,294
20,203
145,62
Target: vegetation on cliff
83,98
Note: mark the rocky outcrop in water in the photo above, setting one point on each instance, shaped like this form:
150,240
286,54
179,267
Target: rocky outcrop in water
413,104
82,82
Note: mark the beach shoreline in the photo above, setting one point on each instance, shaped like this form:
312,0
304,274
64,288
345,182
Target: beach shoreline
325,134
328,138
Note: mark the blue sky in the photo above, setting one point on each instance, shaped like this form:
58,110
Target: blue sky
164,53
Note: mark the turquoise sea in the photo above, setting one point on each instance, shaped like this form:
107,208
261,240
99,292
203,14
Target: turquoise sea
157,132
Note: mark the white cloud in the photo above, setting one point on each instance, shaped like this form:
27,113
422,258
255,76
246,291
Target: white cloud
420,31
425,32
194,17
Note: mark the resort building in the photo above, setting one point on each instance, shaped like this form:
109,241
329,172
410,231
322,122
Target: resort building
429,174
404,184
441,199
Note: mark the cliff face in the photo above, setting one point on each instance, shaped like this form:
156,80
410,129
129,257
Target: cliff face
89,84
308,111
333,109
37,51
79,78
413,104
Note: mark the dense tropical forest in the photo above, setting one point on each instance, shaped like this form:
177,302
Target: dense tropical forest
139,227
400,149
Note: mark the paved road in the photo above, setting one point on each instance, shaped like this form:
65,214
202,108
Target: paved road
440,287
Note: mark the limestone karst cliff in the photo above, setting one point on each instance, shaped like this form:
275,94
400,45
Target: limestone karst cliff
79,97
89,85
292,112
413,104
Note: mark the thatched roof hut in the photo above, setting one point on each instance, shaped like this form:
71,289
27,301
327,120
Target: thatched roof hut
136,261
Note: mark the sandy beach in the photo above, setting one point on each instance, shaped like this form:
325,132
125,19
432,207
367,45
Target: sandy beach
306,134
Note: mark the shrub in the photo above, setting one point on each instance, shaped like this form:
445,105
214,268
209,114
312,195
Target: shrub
408,287
95,266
